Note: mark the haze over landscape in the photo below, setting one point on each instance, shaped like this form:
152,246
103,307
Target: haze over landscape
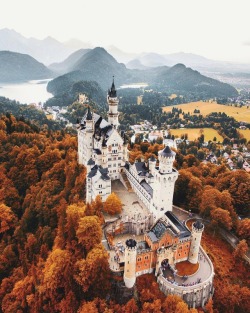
217,30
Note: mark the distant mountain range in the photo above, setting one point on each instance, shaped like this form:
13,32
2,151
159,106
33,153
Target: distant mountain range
47,51
16,67
68,64
87,64
50,50
98,65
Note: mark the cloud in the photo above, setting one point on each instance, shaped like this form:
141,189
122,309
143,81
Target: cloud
246,43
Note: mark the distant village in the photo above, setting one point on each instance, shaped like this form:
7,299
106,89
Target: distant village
235,158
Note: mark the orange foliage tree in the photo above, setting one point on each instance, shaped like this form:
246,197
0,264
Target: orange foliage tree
8,219
113,204
89,232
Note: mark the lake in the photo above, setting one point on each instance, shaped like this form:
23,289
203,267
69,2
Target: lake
33,91
136,85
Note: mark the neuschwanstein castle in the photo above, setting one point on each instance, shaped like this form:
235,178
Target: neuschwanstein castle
153,242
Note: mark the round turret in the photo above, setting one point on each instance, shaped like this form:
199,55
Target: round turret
166,160
151,163
198,226
113,106
197,229
130,263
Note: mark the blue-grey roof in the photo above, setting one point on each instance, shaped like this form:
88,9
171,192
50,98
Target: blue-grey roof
141,168
147,187
103,171
91,162
157,231
184,231
198,224
152,158
97,151
89,115
167,152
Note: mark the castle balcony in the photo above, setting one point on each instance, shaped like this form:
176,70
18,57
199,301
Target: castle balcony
194,289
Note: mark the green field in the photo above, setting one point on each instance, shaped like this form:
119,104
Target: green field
194,133
240,114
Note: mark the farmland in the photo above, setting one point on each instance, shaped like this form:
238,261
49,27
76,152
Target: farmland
194,133
240,114
245,133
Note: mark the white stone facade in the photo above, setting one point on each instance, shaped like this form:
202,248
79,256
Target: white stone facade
103,150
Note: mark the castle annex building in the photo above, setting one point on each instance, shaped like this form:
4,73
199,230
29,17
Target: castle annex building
147,237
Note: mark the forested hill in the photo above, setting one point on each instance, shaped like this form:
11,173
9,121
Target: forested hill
28,112
51,256
68,92
98,65
16,67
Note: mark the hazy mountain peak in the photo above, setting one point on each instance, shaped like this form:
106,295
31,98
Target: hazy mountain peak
16,67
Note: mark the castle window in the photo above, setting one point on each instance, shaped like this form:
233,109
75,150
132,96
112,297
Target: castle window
109,159
100,186
119,158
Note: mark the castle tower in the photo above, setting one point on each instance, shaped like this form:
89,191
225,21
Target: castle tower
113,106
89,135
164,182
151,164
130,263
197,229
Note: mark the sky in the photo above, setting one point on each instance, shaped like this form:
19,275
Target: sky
217,29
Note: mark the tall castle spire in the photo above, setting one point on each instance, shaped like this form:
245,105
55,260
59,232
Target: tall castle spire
112,90
113,106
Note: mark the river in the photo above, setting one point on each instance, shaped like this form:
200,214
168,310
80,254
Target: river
33,91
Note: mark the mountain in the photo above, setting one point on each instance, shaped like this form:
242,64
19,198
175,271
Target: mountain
16,67
68,64
98,65
136,64
153,60
47,51
181,79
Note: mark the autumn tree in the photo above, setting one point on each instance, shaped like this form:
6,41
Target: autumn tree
238,185
221,218
92,273
209,306
74,213
7,218
89,232
240,250
244,229
113,204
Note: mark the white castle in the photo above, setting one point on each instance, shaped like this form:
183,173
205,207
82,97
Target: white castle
166,242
